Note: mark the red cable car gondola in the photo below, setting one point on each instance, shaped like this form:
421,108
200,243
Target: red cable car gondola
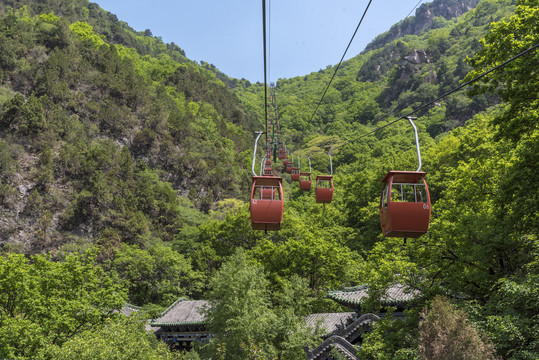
305,179
295,173
267,202
289,167
323,192
405,201
405,204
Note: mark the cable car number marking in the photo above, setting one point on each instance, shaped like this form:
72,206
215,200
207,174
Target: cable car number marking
425,206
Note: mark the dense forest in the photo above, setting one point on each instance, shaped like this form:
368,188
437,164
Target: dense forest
125,171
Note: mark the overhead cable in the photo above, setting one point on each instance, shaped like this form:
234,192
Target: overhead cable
342,58
443,96
269,40
265,66
416,5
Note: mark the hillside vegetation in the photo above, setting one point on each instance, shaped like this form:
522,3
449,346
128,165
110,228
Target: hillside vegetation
98,135
125,168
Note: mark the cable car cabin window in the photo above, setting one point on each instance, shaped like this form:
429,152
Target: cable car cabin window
324,184
304,178
407,193
384,198
267,193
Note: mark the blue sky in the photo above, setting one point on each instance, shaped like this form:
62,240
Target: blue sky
304,35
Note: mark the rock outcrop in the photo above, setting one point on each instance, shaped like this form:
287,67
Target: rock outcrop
423,20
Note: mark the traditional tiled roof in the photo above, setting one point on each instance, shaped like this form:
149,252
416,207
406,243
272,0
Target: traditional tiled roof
329,322
128,309
183,312
396,295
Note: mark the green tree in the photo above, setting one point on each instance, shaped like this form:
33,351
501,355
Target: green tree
157,275
240,311
115,339
243,321
26,117
324,263
510,316
518,82
392,339
43,302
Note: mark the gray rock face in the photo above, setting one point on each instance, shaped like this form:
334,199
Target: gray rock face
417,57
424,17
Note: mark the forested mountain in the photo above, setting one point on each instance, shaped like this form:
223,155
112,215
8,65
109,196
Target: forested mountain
396,76
125,169
92,109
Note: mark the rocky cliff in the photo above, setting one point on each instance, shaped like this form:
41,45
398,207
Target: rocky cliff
423,20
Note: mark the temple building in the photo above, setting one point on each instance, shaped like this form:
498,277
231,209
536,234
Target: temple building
343,331
182,323
397,296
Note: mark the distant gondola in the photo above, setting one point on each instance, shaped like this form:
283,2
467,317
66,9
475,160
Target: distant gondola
294,174
323,191
305,179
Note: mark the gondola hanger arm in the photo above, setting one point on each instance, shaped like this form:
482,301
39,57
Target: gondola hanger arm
254,151
410,118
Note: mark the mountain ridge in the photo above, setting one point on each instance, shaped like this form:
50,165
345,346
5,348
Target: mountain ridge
423,20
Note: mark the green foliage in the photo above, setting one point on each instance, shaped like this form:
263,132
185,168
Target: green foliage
211,242
510,316
243,321
85,32
24,117
115,339
518,79
392,339
517,199
131,144
45,171
473,245
8,156
157,275
47,303
73,87
115,192
322,262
